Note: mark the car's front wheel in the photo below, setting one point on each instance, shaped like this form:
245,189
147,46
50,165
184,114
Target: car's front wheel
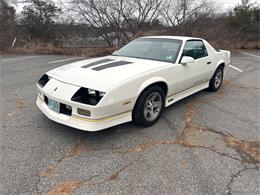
216,80
149,106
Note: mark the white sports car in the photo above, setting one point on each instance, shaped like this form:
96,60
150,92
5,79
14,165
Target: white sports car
134,84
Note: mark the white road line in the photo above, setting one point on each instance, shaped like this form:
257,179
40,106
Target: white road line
249,54
64,60
13,59
235,68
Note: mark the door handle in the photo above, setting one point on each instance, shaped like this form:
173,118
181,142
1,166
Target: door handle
209,63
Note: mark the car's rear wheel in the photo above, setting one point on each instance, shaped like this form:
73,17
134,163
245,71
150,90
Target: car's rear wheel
216,80
149,106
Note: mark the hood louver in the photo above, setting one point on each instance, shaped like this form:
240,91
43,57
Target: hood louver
111,65
97,63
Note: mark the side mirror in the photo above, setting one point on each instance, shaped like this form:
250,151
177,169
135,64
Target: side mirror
186,60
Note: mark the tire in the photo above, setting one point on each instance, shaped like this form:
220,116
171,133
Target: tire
216,80
149,106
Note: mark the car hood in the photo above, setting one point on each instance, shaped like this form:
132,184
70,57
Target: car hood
103,73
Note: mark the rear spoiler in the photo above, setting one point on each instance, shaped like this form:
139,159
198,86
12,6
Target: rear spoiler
228,60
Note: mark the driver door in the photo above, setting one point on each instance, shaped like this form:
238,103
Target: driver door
195,73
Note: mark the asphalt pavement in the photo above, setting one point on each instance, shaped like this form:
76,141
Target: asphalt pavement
208,143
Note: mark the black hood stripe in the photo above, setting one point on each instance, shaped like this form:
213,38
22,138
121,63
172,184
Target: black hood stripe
111,65
97,63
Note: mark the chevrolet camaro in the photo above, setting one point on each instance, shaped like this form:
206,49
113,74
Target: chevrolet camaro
135,83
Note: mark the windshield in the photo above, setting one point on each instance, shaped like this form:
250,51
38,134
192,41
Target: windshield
165,50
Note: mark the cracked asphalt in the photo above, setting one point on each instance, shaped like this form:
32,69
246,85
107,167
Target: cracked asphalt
208,143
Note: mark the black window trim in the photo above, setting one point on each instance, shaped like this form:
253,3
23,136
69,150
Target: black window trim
194,40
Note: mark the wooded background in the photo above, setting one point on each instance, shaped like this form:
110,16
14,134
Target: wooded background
97,27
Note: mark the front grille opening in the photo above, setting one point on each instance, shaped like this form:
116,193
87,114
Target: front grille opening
83,96
65,109
43,80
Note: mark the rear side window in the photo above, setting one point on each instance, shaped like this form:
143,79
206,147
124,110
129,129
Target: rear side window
195,49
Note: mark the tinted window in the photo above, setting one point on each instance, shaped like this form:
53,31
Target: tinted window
195,49
165,50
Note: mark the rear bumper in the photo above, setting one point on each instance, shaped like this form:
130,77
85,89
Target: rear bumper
83,123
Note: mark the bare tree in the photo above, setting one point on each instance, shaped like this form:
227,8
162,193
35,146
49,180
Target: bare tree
145,11
122,17
7,24
89,11
177,12
170,12
39,18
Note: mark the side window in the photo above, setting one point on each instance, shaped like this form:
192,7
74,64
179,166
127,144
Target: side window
195,49
201,50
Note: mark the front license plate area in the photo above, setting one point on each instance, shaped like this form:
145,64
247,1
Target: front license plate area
53,105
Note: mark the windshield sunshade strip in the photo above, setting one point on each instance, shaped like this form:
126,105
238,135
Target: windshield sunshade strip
111,65
97,62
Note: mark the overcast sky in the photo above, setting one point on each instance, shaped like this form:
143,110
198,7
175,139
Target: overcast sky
225,4
232,3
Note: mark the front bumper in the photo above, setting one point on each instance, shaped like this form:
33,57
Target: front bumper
83,123
101,116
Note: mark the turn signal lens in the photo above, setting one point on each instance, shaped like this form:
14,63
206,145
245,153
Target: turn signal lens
84,112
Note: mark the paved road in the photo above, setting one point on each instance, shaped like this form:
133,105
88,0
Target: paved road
208,143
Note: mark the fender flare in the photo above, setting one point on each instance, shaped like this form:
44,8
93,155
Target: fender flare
149,82
218,64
